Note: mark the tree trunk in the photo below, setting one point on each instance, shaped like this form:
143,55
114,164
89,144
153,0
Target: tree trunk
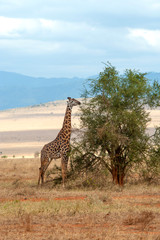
118,175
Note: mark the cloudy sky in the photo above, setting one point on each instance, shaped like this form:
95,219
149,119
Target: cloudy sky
67,38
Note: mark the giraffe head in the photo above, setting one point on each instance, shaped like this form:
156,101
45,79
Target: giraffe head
72,102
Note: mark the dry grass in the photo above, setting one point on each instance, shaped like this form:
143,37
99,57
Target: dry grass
28,212
142,220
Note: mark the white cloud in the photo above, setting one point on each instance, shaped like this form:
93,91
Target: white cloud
149,37
43,29
16,27
81,33
69,35
44,36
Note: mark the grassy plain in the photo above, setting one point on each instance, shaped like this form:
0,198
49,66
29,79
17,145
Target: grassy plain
76,212
29,212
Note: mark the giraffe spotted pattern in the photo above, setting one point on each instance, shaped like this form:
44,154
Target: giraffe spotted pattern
60,146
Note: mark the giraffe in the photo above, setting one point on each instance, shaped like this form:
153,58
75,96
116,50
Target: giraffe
59,147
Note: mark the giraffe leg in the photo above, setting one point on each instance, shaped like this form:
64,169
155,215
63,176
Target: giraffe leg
39,179
44,165
64,162
41,176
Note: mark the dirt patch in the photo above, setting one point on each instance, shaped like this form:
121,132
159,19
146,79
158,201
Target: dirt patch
146,200
147,204
137,197
73,198
69,198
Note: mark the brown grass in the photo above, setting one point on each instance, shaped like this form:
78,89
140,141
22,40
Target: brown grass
29,212
143,220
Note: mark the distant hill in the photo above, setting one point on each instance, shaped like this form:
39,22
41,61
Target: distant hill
18,90
154,76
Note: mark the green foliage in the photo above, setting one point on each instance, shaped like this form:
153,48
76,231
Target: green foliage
114,122
153,161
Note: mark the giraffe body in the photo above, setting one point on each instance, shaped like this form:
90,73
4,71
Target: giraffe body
59,147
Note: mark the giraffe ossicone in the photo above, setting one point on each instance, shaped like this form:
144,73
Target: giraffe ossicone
59,147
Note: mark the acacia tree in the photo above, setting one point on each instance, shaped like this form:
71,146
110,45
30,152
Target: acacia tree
114,121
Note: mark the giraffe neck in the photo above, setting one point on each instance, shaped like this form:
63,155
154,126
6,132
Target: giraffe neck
67,119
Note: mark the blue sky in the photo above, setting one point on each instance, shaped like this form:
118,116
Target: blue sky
67,38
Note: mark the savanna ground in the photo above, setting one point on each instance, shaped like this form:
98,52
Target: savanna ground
78,212
46,213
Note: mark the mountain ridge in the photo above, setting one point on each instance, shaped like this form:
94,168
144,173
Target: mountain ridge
18,90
